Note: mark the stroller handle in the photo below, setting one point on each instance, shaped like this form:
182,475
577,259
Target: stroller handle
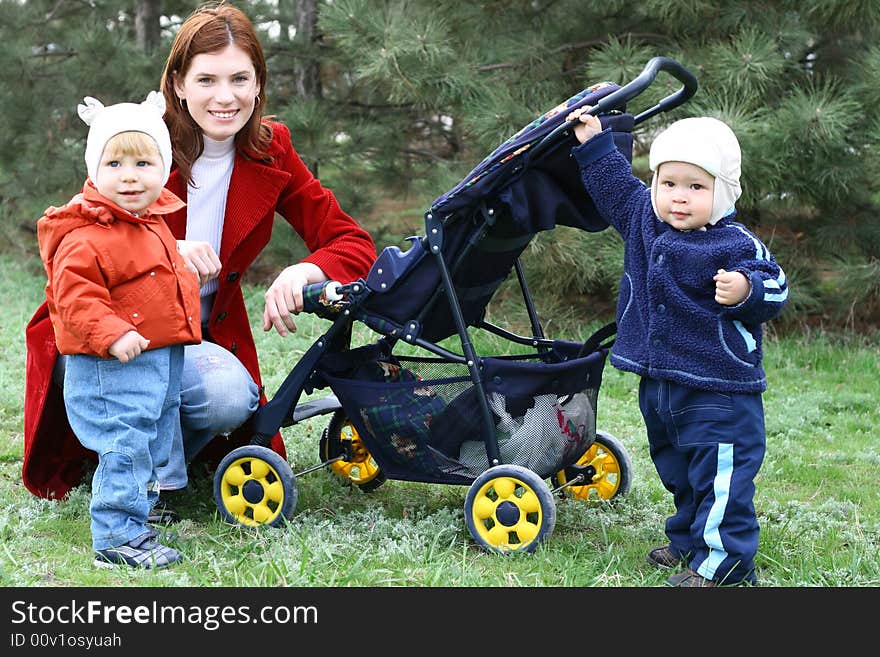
643,81
320,298
629,91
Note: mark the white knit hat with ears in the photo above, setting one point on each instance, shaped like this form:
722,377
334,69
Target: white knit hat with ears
105,122
711,145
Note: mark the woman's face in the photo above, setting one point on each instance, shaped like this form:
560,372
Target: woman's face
220,90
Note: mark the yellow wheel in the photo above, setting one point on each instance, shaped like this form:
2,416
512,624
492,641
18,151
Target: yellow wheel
509,508
357,466
606,469
254,486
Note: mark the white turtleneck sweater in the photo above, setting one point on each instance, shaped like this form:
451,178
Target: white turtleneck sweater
206,203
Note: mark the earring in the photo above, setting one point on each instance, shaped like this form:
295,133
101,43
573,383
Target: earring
256,100
182,102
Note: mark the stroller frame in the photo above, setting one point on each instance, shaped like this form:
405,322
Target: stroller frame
509,507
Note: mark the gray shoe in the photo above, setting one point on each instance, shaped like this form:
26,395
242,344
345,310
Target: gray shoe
141,552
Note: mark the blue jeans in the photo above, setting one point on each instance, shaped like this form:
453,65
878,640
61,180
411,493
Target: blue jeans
217,395
128,413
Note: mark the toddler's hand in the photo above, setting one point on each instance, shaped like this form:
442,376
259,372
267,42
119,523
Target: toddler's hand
588,125
731,287
128,346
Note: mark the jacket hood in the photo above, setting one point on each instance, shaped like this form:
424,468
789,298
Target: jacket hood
91,207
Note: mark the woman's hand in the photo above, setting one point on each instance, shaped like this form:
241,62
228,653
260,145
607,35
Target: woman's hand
731,287
200,258
129,346
588,125
284,297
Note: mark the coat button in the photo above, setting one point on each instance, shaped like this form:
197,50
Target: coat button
233,348
221,317
232,277
135,315
661,309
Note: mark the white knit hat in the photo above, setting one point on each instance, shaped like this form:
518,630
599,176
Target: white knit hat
105,122
711,145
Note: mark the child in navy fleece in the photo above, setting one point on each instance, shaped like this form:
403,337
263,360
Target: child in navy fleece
695,290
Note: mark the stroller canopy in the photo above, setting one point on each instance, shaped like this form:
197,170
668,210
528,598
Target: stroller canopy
545,191
484,223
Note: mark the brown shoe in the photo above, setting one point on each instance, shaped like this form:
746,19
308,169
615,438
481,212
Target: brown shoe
663,557
688,578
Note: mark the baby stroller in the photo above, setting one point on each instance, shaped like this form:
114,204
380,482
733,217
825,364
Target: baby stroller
420,404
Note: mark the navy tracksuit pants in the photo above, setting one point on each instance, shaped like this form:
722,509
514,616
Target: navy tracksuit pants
707,448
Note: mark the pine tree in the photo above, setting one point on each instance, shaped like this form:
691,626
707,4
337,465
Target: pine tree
391,102
430,87
54,53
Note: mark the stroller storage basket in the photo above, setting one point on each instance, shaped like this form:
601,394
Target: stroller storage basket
420,418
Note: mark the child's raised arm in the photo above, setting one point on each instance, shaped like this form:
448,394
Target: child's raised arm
608,178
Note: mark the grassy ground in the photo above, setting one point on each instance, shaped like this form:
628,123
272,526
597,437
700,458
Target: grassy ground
818,497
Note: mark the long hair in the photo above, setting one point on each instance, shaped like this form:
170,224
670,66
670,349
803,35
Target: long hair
209,29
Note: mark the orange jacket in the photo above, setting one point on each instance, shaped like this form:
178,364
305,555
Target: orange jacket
110,272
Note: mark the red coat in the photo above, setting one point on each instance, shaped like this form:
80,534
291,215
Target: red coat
53,458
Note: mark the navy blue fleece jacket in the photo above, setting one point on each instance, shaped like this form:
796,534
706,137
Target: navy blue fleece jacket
669,325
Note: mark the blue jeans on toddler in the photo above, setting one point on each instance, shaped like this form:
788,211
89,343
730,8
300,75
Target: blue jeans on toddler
128,413
707,448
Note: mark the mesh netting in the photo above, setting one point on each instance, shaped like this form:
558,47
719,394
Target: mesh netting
421,418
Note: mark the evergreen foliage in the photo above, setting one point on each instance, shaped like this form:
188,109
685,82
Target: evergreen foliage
405,96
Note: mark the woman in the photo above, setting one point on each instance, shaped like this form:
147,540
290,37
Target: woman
236,170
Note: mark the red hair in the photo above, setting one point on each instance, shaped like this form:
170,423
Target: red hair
209,29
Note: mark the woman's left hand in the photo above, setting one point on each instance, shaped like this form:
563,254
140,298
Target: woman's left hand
284,297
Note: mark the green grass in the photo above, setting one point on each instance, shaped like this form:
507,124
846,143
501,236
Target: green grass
817,497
